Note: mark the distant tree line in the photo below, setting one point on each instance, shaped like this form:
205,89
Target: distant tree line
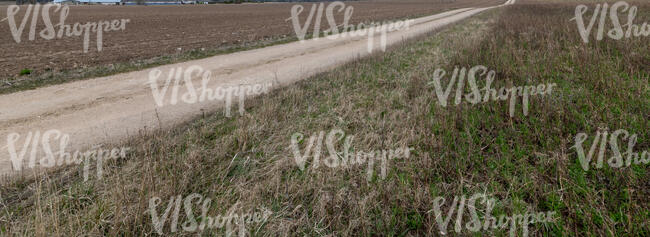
19,2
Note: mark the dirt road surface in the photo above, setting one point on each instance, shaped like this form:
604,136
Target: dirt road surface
109,109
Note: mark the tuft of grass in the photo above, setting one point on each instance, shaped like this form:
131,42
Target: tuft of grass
25,71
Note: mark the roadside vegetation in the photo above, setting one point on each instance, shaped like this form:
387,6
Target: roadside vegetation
386,102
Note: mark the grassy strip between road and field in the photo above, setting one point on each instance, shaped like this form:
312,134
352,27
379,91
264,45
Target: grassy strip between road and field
386,102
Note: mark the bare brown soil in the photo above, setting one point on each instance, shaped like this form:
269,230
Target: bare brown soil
155,31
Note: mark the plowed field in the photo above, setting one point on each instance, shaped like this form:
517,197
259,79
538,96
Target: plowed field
155,31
